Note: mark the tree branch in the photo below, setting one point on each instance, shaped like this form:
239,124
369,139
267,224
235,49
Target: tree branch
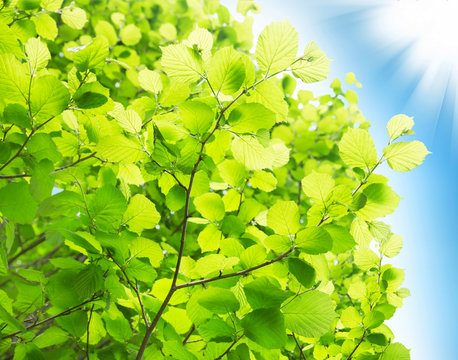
238,273
357,345
230,347
34,244
87,331
188,335
63,313
299,347
134,288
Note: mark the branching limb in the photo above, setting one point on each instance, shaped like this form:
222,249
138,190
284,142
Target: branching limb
41,238
87,332
357,345
229,348
299,346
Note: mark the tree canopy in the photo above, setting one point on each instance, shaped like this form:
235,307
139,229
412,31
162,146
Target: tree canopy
169,188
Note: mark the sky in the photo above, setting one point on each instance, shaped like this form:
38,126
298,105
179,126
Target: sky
405,54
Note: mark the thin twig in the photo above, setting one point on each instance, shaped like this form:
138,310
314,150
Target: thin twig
134,288
299,347
87,332
34,244
188,335
229,348
357,345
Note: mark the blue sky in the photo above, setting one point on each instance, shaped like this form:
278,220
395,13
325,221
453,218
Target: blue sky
412,73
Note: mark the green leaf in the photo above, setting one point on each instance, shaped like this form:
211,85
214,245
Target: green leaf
232,172
107,207
8,41
405,156
141,214
74,17
150,81
10,320
250,117
283,217
181,63
91,56
118,148
265,327
318,187
37,53
263,180
373,319
366,259
209,238
381,201
145,248
88,281
197,116
314,240
45,26
303,271
13,80
130,35
129,120
49,97
310,314
248,151
396,351
216,330
342,240
277,47
227,71
399,125
218,300
313,66
264,293
16,203
211,206
392,246
202,38
357,149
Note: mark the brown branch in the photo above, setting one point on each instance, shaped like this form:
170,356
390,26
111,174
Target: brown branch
87,331
34,244
134,288
63,313
357,345
238,273
25,143
229,348
188,335
299,347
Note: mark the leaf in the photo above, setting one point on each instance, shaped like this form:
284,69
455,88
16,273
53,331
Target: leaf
405,156
265,327
248,151
91,56
277,47
283,218
37,53
202,38
373,319
318,187
130,35
88,281
74,17
141,214
218,300
13,80
264,293
269,94
313,65
392,246
381,201
118,148
8,41
263,180
209,238
106,208
145,248
310,314
150,81
303,271
45,26
250,117
396,351
314,240
49,97
232,172
181,63
216,330
197,116
129,120
227,71
342,240
366,259
399,125
211,206
357,149
10,320
16,203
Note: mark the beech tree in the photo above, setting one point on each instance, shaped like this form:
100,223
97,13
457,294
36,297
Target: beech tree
165,192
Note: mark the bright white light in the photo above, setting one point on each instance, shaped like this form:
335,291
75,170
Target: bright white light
429,27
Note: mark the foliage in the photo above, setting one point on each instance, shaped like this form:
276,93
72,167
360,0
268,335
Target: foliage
165,193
